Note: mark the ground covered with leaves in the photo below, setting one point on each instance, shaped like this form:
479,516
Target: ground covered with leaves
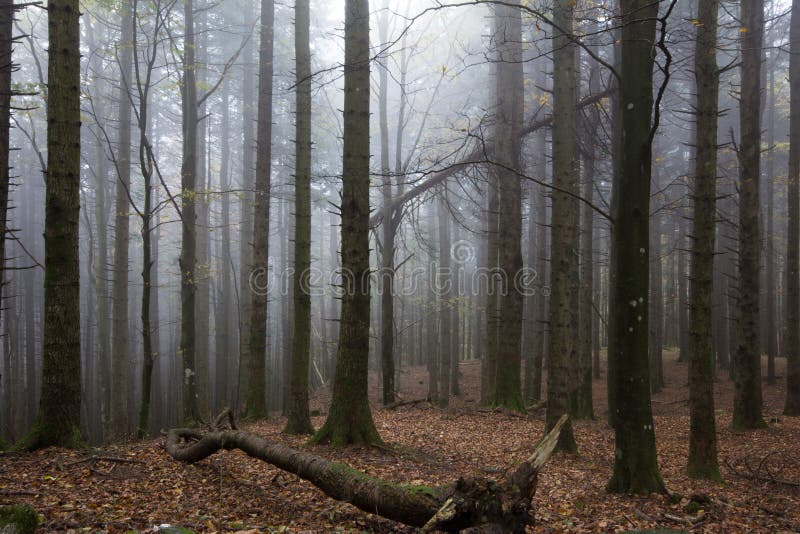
137,486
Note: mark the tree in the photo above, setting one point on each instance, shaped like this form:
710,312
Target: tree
502,506
188,257
508,31
59,408
6,69
635,461
561,368
256,389
445,293
747,363
298,420
703,431
120,358
390,222
349,417
792,406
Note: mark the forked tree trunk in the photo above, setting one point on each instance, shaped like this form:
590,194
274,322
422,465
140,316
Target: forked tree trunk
469,503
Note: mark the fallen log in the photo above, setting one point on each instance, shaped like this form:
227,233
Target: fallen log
476,504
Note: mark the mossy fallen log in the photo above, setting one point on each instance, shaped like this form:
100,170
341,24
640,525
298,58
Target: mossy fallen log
18,519
472,504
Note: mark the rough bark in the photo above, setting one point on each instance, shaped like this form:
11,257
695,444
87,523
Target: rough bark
58,419
747,365
256,389
349,418
482,504
298,419
561,368
792,406
635,461
702,461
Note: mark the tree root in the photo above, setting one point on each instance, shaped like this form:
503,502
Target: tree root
475,504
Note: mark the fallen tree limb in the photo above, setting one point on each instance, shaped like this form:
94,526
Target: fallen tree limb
469,503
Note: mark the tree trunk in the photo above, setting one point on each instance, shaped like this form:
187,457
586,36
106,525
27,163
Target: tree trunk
58,419
223,314
747,366
468,503
349,418
120,357
246,209
444,290
298,419
702,428
792,406
635,460
256,389
656,335
508,28
770,330
387,274
561,369
188,257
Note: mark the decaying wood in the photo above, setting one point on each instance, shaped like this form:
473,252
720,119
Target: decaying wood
477,504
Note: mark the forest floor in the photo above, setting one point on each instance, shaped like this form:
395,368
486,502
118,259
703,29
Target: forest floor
137,485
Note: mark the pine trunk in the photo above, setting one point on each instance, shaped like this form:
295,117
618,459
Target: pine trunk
349,418
747,364
256,383
298,419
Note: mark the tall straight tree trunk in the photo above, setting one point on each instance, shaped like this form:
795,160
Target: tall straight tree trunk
747,366
490,290
298,419
508,29
188,257
792,406
635,460
103,376
246,211
389,229
6,68
584,408
202,276
444,281
702,427
224,351
561,370
350,419
121,363
58,420
656,336
771,331
256,399
529,335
